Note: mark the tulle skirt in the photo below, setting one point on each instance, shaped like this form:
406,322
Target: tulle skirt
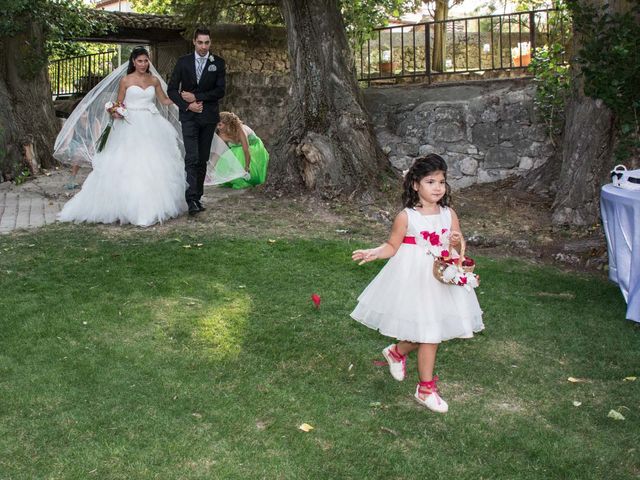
138,178
406,302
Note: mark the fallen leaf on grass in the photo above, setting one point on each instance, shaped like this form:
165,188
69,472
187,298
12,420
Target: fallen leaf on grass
260,425
577,380
615,415
305,427
629,379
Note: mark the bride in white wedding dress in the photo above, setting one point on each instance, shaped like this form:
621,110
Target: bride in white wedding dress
138,177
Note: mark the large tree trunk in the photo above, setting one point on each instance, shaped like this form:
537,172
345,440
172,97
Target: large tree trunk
440,36
28,125
586,155
327,144
587,146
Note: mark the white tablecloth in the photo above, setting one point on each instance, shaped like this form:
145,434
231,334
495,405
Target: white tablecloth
621,218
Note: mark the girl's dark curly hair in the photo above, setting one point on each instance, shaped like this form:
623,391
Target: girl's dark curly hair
135,53
423,166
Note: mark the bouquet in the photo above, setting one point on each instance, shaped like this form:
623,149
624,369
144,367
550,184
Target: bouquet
111,107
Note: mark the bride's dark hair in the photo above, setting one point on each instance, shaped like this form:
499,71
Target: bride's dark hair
135,53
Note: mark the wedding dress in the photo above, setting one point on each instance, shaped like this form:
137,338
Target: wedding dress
139,176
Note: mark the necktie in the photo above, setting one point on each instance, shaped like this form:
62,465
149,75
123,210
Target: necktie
201,62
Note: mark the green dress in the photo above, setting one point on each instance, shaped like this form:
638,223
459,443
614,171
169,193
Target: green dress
258,165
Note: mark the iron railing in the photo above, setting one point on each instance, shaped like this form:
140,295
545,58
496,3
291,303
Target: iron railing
463,45
78,75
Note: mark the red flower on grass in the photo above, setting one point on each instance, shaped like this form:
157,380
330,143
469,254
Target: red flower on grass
315,298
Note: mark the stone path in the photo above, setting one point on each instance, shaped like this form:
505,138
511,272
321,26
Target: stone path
26,210
37,201
34,203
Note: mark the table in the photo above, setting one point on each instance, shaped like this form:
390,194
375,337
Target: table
620,210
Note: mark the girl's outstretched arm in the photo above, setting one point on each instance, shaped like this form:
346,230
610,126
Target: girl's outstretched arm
390,247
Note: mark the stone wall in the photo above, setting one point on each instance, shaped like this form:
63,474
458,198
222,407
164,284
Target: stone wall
259,99
257,75
486,131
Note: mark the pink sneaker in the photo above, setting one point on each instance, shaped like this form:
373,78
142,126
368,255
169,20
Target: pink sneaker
433,401
397,362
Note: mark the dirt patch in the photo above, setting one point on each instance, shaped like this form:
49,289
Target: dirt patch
497,219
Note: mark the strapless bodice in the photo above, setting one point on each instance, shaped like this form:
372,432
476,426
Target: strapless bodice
138,97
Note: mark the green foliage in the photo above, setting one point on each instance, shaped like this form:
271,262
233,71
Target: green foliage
60,20
156,7
204,12
552,79
610,62
22,176
528,5
360,16
66,49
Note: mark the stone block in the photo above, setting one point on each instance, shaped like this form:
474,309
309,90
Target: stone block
449,114
526,163
427,149
510,131
489,116
469,166
446,132
537,132
462,182
458,147
500,157
407,149
400,162
517,113
517,97
489,176
484,135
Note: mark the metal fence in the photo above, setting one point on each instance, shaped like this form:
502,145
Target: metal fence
490,42
78,75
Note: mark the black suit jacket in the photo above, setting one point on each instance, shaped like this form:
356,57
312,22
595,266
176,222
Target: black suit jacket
209,90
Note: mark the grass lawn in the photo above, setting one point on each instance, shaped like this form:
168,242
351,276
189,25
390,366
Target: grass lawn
195,355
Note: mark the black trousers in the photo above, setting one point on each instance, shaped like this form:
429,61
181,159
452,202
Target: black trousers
197,140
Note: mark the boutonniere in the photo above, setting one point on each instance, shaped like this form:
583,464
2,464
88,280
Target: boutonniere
212,68
211,58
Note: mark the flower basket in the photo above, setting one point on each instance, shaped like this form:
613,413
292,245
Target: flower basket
457,271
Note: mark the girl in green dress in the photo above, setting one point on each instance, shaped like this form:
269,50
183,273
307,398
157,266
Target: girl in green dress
247,149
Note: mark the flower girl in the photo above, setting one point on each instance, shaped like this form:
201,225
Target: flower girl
405,301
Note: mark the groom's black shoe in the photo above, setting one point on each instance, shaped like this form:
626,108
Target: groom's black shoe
200,207
193,207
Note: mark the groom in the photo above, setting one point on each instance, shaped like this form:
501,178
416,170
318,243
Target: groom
196,85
